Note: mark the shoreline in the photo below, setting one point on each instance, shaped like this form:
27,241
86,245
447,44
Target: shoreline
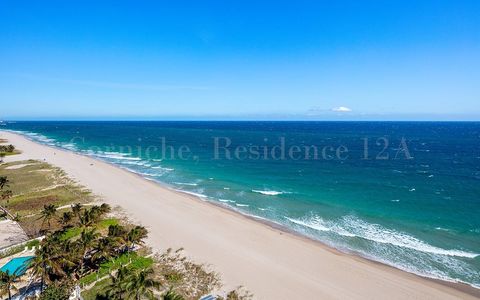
371,279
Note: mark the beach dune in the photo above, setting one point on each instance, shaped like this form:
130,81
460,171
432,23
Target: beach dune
271,263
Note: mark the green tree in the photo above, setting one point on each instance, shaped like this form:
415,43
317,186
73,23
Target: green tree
47,263
66,219
141,284
92,216
77,209
86,242
95,213
136,236
57,291
117,289
117,231
104,250
47,214
7,283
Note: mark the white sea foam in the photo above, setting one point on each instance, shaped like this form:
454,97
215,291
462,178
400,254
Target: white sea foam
241,205
141,173
162,168
186,183
70,146
194,194
118,156
38,137
116,153
124,157
350,226
127,162
226,200
318,223
269,193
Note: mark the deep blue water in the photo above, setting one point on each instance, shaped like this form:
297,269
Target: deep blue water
403,193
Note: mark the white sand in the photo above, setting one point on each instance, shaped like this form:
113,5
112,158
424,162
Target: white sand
270,263
19,166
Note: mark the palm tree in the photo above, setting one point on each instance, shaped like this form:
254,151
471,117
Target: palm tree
7,283
97,212
136,236
105,208
141,284
86,242
105,249
3,182
76,209
47,214
86,219
90,217
117,289
117,231
66,219
47,261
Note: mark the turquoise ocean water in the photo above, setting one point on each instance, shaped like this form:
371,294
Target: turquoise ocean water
403,193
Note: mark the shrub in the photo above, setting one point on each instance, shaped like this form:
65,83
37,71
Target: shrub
57,291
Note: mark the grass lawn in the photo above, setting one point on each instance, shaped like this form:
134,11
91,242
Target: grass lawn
102,225
35,184
92,293
133,260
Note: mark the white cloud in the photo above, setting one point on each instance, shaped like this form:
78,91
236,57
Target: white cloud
341,109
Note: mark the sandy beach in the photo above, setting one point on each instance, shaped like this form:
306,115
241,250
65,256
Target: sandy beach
271,263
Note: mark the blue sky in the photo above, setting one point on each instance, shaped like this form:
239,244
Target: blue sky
240,59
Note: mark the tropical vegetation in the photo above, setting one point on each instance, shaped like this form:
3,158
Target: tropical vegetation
8,284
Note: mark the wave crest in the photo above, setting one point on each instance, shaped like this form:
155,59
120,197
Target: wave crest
350,226
269,193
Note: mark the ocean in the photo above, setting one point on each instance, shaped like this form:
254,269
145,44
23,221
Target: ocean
406,194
